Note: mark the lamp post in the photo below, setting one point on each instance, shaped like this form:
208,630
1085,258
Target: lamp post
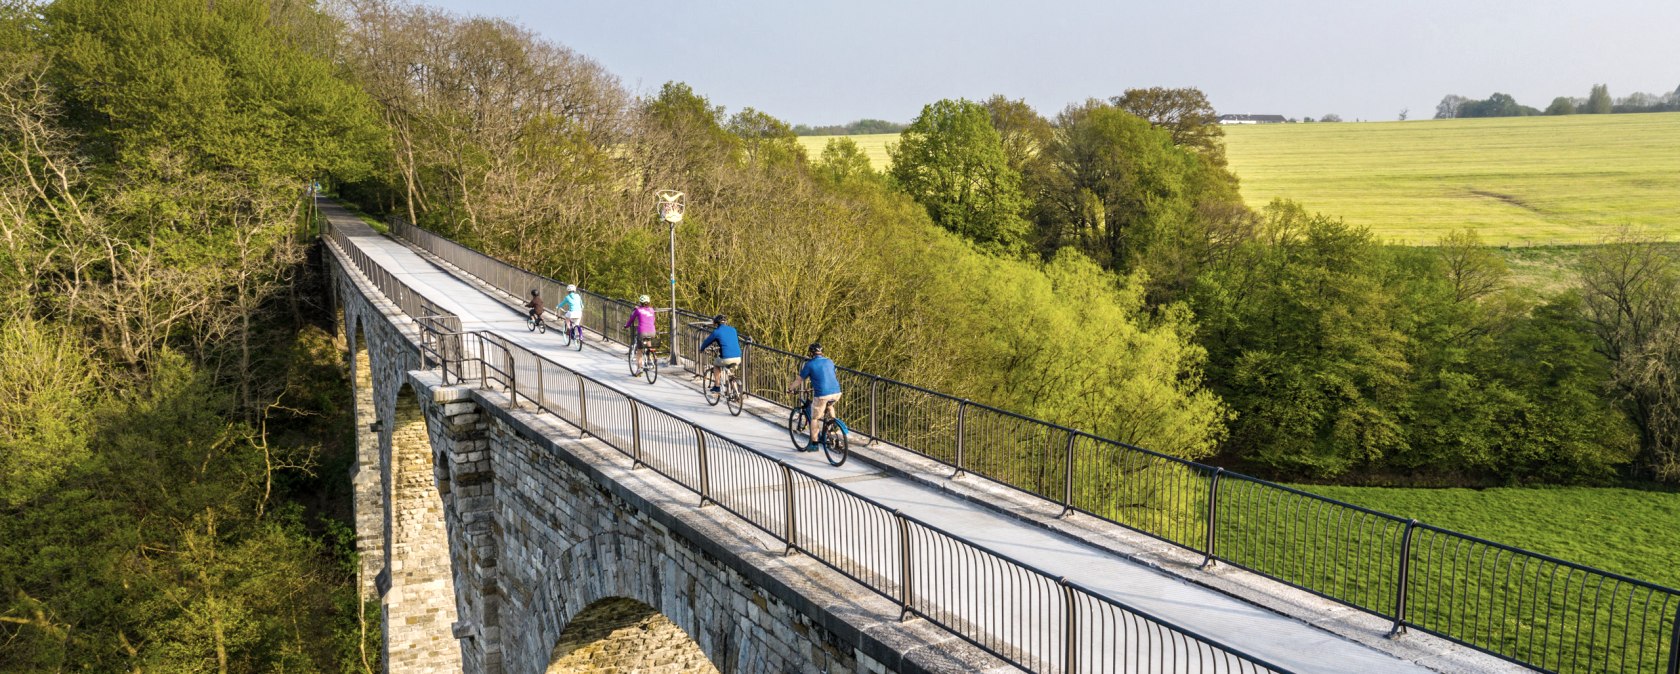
670,207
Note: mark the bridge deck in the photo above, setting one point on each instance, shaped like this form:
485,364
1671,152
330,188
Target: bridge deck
1283,640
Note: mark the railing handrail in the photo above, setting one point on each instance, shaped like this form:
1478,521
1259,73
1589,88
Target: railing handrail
507,345
1176,535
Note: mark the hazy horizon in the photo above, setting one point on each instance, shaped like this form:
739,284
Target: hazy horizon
822,63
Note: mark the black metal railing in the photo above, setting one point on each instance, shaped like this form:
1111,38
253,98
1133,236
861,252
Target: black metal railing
1495,598
435,323
1005,607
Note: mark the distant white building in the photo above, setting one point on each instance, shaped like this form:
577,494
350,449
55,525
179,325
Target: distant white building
1252,119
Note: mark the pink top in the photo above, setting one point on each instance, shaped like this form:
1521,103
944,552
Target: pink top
643,319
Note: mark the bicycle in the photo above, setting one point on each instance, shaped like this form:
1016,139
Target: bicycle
836,438
573,332
644,360
731,391
534,322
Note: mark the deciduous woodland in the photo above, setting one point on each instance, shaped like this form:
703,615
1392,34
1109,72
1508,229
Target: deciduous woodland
174,433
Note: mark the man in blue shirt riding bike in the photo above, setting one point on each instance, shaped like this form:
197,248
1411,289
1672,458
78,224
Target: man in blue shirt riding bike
825,392
729,348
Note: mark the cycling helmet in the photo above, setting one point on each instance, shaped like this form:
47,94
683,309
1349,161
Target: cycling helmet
643,300
533,292
571,288
816,348
720,319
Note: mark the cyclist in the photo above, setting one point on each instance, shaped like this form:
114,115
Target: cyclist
729,349
825,391
535,305
571,307
642,318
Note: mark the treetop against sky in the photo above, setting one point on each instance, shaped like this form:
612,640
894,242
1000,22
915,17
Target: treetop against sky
831,62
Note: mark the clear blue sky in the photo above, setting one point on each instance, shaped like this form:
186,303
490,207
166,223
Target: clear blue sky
826,62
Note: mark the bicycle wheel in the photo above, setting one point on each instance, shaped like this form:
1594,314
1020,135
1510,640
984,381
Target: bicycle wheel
530,325
797,431
565,334
707,385
577,337
836,446
650,369
542,326
735,396
635,360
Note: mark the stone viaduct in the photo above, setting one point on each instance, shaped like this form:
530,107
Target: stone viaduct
497,540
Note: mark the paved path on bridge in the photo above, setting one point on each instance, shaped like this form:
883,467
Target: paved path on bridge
1282,640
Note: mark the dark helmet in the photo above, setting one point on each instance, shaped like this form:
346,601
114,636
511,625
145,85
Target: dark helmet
816,348
720,319
533,292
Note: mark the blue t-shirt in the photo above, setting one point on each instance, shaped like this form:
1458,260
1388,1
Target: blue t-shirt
729,345
820,371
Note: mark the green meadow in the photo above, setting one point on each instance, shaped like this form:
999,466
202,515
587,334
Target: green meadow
1516,180
1519,181
1627,531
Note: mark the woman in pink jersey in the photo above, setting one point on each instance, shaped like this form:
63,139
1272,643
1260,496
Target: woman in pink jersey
642,319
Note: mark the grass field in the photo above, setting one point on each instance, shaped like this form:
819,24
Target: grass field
874,145
1635,533
1519,181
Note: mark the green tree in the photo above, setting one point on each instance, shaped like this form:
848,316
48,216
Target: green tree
1303,348
1185,113
1113,186
765,139
1598,102
1024,132
1562,105
952,162
843,161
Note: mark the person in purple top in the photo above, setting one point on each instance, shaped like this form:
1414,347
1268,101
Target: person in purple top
642,319
825,392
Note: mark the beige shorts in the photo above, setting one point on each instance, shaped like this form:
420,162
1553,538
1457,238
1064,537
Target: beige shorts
726,362
829,405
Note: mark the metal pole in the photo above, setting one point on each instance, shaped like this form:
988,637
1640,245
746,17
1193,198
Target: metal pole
635,434
1405,579
705,471
1067,494
673,293
1213,519
962,411
1674,645
583,406
1070,646
787,491
874,409
904,596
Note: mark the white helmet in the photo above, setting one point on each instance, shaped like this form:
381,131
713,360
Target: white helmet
643,300
571,288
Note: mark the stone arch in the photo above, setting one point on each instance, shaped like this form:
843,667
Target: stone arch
619,634
418,588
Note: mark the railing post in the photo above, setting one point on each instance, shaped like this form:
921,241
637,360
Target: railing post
483,366
904,579
1400,591
705,472
1070,634
583,406
1213,519
542,398
791,533
874,409
962,424
1067,493
635,434
513,377
1674,645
